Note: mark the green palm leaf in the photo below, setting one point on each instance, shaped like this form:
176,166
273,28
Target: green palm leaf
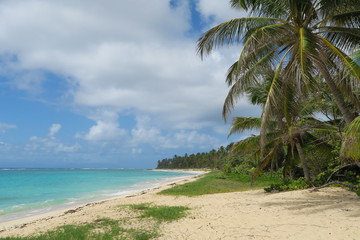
351,144
230,32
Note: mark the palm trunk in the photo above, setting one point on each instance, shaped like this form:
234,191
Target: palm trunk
303,161
340,102
353,98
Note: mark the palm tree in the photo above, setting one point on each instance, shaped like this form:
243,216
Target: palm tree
292,126
293,135
300,39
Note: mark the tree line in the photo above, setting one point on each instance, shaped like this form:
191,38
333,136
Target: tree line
214,159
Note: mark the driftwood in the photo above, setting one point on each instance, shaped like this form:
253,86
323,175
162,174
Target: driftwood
349,165
336,182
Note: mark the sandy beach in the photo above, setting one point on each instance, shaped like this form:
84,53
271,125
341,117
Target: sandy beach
330,213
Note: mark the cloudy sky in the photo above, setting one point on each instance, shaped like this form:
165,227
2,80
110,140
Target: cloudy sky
110,83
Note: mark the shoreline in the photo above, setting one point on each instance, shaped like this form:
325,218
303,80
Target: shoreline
330,213
192,170
50,210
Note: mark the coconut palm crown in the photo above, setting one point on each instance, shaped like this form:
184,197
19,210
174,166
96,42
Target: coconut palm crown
300,39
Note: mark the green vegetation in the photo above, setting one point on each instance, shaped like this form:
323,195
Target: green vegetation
109,229
300,64
160,213
101,229
218,182
213,159
296,64
289,184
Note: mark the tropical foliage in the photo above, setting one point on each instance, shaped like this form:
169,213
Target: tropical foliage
300,63
300,40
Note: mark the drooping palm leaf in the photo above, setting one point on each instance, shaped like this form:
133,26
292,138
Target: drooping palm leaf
274,92
351,144
230,32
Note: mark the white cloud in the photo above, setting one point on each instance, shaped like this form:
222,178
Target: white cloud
55,128
190,139
106,129
144,133
136,151
123,56
4,127
50,144
220,10
62,148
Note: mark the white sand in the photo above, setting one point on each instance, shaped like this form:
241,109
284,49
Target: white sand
330,213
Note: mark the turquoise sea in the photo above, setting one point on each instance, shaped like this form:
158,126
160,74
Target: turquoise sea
26,192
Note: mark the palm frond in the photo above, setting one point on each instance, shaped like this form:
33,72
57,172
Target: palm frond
338,11
350,18
270,157
257,93
348,38
351,144
247,145
305,50
262,8
241,124
356,55
229,32
244,81
270,100
348,62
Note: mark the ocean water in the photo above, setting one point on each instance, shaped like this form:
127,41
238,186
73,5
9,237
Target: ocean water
26,192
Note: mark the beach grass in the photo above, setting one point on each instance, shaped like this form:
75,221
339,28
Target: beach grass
218,182
100,229
160,213
106,228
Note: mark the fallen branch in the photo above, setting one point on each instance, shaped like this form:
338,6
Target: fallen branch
349,165
336,182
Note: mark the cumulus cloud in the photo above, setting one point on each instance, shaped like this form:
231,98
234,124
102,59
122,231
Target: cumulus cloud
50,144
122,56
136,150
189,139
106,128
4,127
62,148
55,128
220,10
144,133
104,131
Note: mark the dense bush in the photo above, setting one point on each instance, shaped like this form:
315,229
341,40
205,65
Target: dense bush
289,184
349,174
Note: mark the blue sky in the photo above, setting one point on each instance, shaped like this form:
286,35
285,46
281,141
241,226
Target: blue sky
110,83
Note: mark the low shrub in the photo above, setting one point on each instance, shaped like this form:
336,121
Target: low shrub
289,185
